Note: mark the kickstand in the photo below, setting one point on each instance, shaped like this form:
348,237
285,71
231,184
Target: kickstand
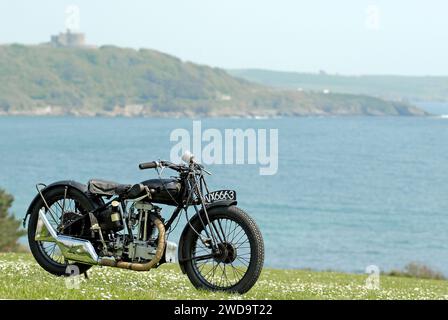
86,276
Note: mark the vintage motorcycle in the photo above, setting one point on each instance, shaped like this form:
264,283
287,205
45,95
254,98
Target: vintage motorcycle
75,226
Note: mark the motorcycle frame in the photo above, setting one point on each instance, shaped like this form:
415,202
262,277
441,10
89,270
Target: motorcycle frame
193,185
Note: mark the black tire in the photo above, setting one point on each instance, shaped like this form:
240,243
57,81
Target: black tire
243,279
58,268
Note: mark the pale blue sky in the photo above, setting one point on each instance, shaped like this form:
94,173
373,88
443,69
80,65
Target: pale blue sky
344,36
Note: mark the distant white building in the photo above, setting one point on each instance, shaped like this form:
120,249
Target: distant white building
68,39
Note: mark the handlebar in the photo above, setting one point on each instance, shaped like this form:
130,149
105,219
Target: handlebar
176,167
148,165
156,164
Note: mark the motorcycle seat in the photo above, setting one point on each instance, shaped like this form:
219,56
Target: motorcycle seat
107,188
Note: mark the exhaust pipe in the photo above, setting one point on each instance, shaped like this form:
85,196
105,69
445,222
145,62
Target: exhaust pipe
74,249
81,250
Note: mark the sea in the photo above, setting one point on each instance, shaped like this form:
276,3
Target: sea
349,192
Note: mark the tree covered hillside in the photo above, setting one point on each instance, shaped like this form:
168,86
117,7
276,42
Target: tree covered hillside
36,80
412,88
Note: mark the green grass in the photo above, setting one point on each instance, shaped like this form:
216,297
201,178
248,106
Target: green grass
22,278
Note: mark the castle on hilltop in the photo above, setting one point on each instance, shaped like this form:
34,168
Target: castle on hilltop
68,39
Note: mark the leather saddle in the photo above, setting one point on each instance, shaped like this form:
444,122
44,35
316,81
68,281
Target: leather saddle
109,188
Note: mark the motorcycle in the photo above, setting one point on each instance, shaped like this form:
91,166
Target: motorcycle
76,226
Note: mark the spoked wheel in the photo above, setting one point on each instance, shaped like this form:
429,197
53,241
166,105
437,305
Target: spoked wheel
65,206
236,263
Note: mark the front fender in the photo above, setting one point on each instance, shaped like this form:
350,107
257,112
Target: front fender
181,254
69,183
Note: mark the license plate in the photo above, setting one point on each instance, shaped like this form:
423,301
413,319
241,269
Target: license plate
220,195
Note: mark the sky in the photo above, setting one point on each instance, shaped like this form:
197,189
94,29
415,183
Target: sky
406,37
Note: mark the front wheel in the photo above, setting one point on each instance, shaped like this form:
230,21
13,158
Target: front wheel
237,264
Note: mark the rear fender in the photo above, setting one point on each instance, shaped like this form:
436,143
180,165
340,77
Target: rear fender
66,183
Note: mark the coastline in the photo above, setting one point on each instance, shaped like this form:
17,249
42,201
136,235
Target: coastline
265,114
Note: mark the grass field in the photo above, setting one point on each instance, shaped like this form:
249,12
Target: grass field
22,278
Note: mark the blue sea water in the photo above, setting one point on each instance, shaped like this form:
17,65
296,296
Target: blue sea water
349,192
435,108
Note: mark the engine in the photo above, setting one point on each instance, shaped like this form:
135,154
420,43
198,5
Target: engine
140,246
144,246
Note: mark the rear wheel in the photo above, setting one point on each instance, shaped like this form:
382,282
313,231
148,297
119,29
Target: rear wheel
64,204
239,261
